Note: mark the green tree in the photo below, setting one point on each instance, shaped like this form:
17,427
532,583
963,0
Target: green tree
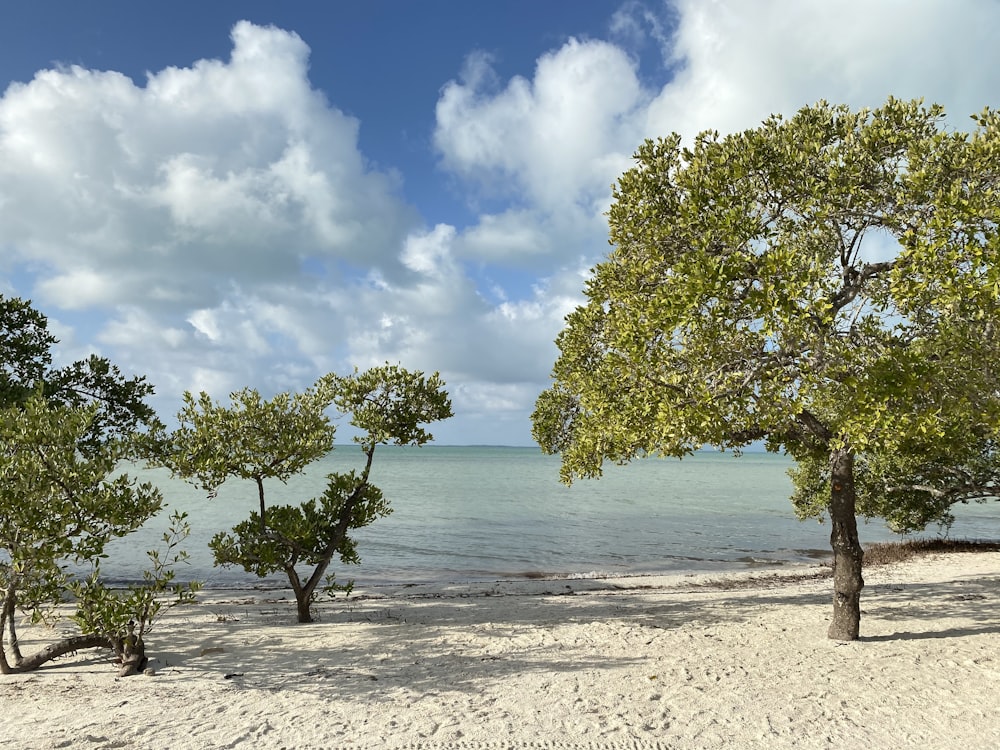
26,368
258,440
63,432
25,344
59,506
827,284
125,616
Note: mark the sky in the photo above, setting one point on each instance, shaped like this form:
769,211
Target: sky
228,194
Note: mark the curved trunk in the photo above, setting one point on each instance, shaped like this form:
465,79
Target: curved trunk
847,552
54,651
130,650
304,591
303,595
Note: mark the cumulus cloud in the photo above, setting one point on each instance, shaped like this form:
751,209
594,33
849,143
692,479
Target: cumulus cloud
218,214
740,62
553,142
217,224
231,169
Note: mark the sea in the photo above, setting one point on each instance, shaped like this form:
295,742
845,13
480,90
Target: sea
467,514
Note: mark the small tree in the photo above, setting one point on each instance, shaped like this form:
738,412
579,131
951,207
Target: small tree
258,440
63,432
60,506
125,616
828,284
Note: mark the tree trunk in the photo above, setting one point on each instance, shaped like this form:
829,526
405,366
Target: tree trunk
132,655
53,651
302,605
131,650
847,552
8,616
304,591
302,595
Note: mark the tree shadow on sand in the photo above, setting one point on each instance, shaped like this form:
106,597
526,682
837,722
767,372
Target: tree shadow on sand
464,638
455,641
971,600
444,642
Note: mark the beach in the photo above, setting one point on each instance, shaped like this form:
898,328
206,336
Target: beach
739,660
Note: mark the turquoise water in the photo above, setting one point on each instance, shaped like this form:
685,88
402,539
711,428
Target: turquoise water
476,513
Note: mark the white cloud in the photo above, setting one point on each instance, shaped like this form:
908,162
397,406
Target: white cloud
205,322
222,227
633,24
503,237
136,329
741,62
213,381
237,169
429,253
78,288
554,141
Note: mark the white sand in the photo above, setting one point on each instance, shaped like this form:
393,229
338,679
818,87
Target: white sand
626,663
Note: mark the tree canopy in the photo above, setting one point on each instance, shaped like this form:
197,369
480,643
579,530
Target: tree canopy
827,283
26,368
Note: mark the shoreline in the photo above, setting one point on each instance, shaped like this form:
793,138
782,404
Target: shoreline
679,661
887,553
694,567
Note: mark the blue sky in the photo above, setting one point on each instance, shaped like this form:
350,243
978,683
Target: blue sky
246,193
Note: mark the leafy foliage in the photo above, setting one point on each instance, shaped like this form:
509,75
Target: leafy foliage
124,617
828,284
57,504
740,301
256,439
25,344
63,433
252,438
26,369
299,534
